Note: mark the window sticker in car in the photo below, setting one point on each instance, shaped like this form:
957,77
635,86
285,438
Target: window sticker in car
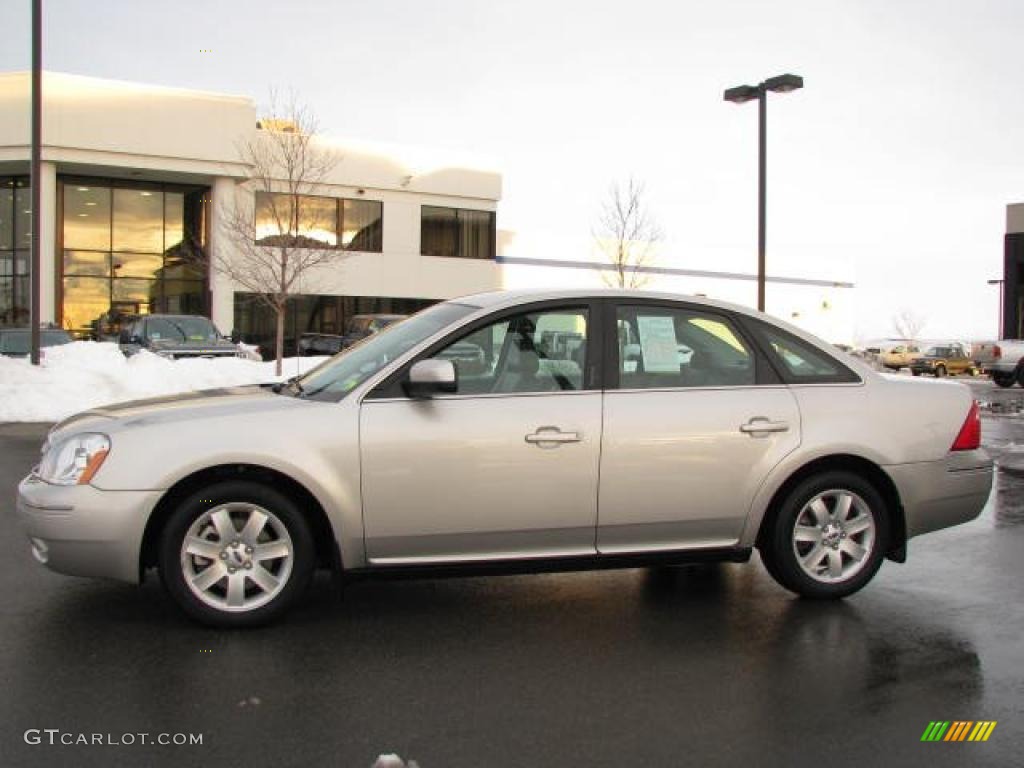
658,346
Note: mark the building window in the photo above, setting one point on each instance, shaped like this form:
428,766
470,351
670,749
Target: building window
457,232
15,240
307,221
130,249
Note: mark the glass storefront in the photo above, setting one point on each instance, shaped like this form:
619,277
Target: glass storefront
15,241
312,314
130,249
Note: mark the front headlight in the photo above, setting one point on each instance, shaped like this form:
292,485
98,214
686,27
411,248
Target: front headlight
74,461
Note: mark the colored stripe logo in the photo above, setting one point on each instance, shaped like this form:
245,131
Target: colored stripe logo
958,730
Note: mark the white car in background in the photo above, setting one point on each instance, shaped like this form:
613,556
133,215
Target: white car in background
515,431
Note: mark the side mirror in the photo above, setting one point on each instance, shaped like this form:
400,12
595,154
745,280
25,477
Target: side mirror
236,336
431,377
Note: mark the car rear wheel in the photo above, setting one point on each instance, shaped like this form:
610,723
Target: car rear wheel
829,536
940,371
1003,380
236,554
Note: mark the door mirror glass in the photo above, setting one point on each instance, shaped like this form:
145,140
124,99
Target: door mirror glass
431,377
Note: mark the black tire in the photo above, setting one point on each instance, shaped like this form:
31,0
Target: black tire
287,514
915,373
940,372
1004,380
779,551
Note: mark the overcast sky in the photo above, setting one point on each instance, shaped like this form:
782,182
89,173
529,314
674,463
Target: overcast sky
892,168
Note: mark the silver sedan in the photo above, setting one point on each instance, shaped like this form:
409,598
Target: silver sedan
516,431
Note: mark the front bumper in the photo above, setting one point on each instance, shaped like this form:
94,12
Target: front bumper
939,494
80,530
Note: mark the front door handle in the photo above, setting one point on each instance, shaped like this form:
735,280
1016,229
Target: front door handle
759,425
553,435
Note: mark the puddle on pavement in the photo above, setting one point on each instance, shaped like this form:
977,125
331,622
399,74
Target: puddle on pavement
1007,500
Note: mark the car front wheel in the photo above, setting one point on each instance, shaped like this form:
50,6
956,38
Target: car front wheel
940,372
829,536
236,554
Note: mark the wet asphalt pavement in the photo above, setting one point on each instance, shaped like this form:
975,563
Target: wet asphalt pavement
695,666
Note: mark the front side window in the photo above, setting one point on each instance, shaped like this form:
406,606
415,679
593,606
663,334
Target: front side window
457,233
667,347
542,351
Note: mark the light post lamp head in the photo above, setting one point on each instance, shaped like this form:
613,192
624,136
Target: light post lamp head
784,83
742,93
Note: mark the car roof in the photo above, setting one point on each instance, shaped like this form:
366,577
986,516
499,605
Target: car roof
496,299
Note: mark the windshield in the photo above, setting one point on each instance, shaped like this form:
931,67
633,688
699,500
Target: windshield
181,329
335,378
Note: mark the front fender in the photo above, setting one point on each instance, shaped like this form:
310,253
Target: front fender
317,448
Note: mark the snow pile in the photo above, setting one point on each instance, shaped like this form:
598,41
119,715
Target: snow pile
86,374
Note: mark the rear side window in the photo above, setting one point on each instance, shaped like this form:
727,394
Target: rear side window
667,347
799,362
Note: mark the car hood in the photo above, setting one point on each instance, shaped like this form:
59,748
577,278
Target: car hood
202,405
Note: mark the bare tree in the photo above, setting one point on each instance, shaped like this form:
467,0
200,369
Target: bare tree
908,324
626,233
277,238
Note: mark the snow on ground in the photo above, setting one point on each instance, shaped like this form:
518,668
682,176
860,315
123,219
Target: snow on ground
86,374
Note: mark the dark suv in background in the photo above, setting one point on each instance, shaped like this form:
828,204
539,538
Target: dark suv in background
176,336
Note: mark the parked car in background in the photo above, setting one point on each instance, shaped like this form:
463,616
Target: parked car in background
945,360
1001,360
361,326
900,356
320,344
17,342
177,336
479,435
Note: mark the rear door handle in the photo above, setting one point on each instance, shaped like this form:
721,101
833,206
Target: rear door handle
553,435
759,425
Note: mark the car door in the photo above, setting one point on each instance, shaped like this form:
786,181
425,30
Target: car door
504,468
688,439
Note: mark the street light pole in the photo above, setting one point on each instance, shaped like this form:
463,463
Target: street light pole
739,95
37,123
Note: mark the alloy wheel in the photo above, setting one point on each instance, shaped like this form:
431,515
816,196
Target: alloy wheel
834,536
236,557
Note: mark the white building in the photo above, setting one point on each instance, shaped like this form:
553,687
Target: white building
135,177
132,175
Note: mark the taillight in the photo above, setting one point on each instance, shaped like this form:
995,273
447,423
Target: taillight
970,433
997,352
